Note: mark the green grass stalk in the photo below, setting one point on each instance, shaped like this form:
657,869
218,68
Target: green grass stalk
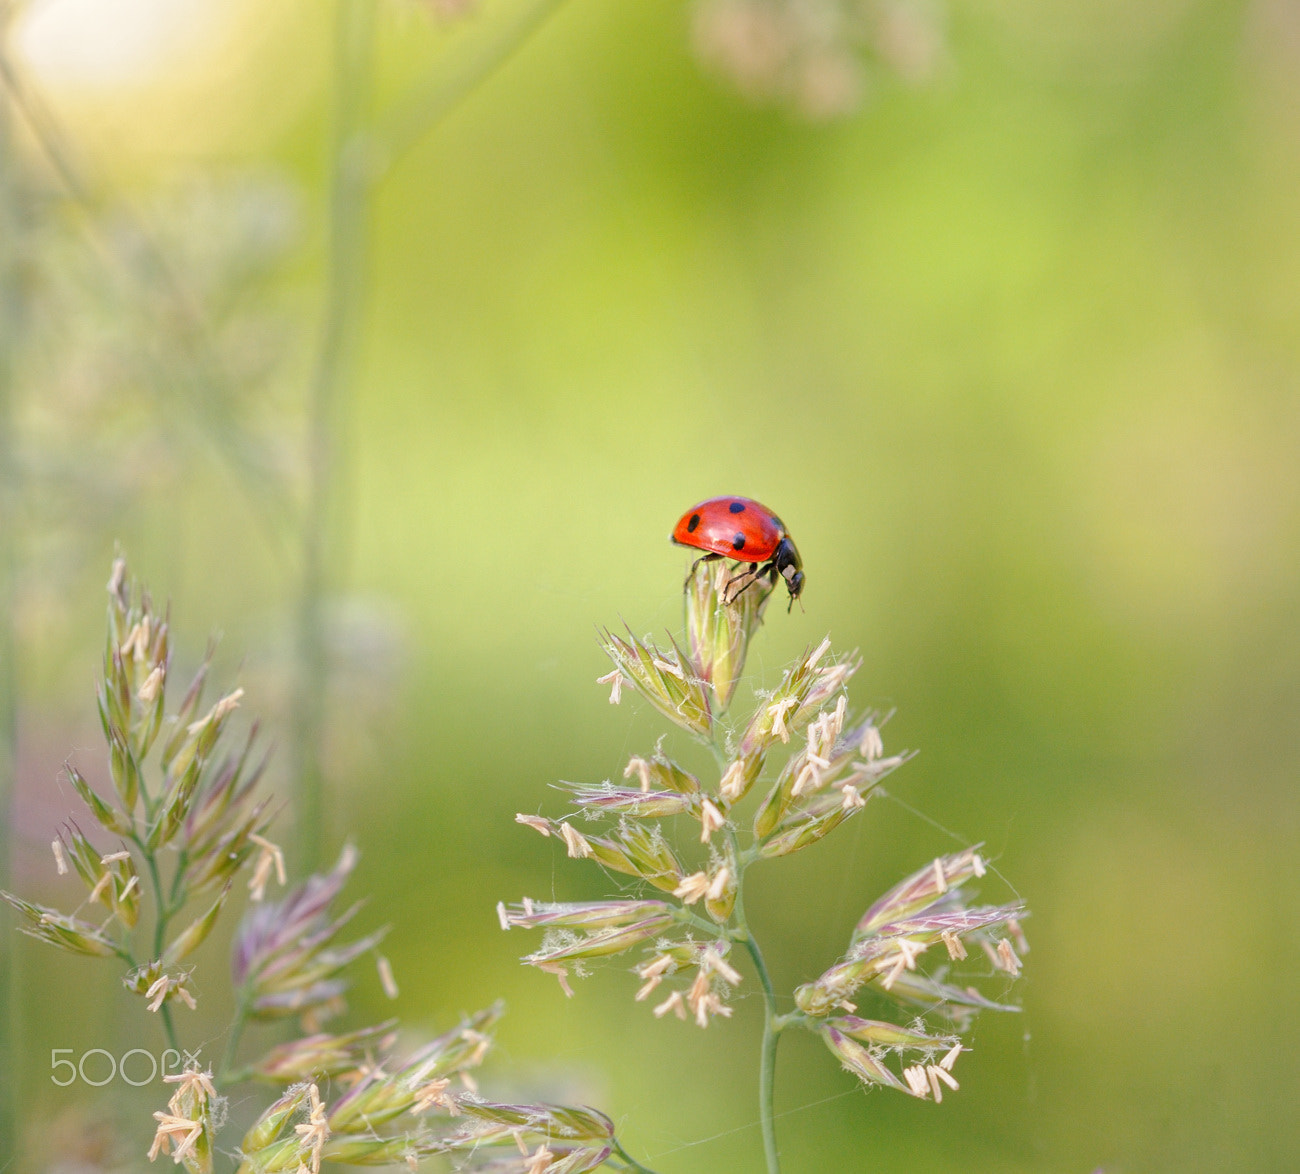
11,213
327,403
358,158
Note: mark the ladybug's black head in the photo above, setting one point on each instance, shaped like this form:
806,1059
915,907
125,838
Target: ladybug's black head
789,566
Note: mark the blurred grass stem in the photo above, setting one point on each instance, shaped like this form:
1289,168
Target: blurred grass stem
12,211
327,403
416,115
226,1073
358,161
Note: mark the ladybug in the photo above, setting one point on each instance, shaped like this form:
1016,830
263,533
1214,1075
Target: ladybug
742,529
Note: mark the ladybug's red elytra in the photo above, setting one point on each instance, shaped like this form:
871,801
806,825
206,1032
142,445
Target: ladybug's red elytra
745,530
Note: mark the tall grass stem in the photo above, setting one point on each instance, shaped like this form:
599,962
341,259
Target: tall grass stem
11,294
322,545
359,159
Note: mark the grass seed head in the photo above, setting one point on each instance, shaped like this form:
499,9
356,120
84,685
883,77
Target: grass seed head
720,622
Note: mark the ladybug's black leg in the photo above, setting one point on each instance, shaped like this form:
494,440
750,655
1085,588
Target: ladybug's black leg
768,571
751,576
732,596
704,558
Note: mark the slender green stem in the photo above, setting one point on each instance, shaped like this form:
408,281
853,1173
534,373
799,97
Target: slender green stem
772,1025
164,913
354,38
793,1019
629,1162
414,117
684,916
226,1072
358,160
178,877
169,1027
767,1059
149,808
159,932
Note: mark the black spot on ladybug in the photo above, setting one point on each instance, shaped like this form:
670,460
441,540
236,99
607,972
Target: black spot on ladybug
695,521
739,541
737,507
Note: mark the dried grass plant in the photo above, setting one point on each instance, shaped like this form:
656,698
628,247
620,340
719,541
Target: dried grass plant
813,763
190,828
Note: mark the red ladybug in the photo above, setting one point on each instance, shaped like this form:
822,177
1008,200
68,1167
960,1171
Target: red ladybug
742,529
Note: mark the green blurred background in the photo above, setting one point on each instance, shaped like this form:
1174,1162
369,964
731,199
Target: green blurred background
1015,352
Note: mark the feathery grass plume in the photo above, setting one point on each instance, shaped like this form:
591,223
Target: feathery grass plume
415,1084
160,987
587,915
580,931
629,801
664,788
186,821
549,1139
60,929
322,1055
833,763
633,849
670,681
839,763
107,815
818,56
264,1146
927,909
193,1115
176,798
282,961
720,622
402,1109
